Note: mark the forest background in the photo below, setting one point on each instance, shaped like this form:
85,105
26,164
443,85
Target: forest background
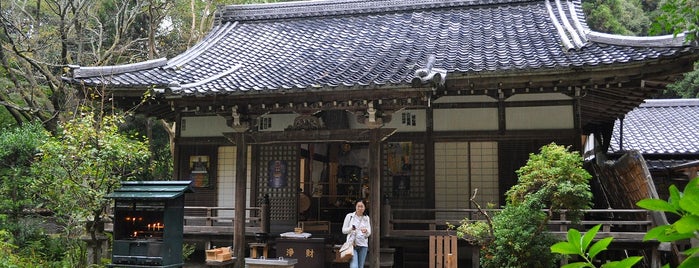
61,147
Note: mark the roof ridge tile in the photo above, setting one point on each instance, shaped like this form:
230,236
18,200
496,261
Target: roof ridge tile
201,47
560,29
577,41
299,9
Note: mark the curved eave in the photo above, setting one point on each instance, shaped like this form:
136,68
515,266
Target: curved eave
105,71
638,41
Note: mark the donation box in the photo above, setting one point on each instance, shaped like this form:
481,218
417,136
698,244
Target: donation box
310,252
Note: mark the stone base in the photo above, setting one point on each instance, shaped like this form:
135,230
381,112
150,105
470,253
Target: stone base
270,263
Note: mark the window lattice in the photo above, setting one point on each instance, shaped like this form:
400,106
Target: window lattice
460,168
282,196
411,183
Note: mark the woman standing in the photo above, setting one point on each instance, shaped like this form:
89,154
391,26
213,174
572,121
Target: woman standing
357,226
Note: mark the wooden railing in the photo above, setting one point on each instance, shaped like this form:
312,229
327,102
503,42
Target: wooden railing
216,221
628,225
410,222
622,224
219,220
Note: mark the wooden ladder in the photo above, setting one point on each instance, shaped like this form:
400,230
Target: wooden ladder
443,251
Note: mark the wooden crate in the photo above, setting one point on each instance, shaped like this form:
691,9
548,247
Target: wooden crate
219,254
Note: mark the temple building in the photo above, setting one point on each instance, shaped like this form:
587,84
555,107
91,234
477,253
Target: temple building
416,104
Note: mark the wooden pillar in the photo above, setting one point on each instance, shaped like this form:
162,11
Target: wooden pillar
375,175
577,117
502,113
175,149
428,140
241,149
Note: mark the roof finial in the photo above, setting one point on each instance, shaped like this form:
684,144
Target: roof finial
424,75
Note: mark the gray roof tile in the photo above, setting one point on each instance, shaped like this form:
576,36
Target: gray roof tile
349,43
660,127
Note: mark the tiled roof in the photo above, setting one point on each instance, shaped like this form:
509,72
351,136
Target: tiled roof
660,127
665,164
349,44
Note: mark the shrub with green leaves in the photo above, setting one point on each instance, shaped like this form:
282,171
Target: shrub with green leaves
85,160
520,238
18,147
686,205
517,237
554,177
582,246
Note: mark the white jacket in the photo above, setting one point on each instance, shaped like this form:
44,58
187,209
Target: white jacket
361,239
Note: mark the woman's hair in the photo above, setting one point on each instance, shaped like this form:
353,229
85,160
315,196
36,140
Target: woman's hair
366,209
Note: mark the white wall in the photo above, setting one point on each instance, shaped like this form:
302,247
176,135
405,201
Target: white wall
408,121
279,122
203,126
541,117
466,119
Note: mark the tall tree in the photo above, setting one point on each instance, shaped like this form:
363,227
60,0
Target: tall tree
626,17
38,39
677,16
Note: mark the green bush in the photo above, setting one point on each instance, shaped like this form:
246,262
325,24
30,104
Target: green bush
520,239
517,236
555,178
686,205
8,257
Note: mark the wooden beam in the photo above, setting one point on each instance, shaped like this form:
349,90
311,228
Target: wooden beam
322,135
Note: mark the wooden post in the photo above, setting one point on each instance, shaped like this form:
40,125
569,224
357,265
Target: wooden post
209,222
443,251
375,181
241,149
265,215
387,215
452,257
433,258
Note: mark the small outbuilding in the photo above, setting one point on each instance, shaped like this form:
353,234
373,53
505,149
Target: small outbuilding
148,223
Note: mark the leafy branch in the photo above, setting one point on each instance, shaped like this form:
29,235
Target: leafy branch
684,204
582,246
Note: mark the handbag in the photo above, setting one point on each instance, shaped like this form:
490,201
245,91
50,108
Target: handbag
347,249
